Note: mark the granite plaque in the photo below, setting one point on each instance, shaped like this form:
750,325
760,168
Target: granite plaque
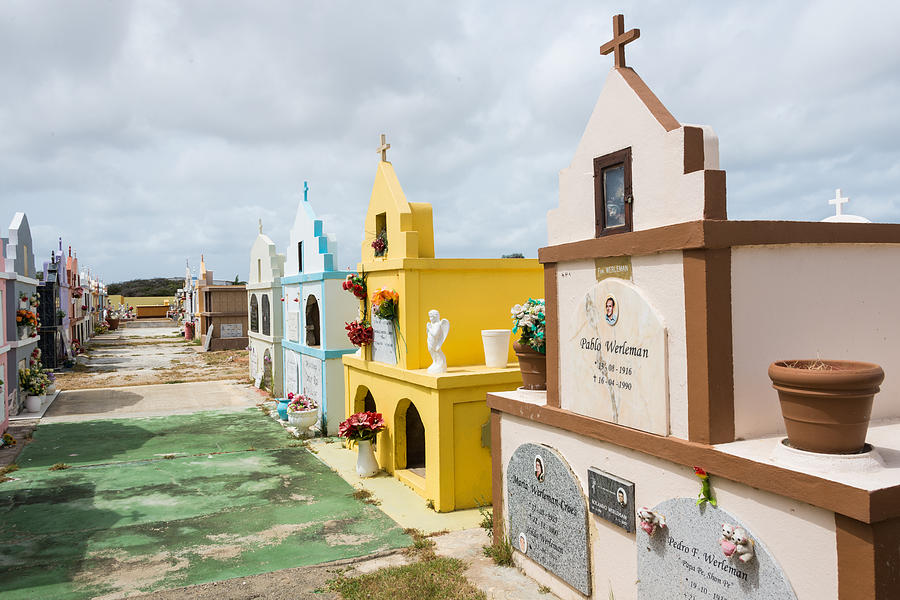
684,560
208,340
312,377
290,373
617,358
547,514
231,330
611,498
384,344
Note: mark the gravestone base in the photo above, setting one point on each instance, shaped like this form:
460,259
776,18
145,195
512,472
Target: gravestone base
228,343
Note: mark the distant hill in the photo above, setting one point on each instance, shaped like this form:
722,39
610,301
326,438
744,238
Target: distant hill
158,286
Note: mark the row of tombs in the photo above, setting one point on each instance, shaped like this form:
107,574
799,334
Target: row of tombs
662,320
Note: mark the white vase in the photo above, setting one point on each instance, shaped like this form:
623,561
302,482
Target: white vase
496,347
33,403
366,465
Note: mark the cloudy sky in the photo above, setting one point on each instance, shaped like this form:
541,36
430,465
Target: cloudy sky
148,132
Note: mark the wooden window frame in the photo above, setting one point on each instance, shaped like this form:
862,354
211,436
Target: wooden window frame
619,157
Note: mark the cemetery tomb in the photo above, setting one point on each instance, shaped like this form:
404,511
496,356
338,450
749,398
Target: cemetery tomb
314,310
4,341
661,327
434,421
222,313
264,313
20,282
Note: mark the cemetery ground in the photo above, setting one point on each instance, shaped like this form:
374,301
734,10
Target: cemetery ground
188,490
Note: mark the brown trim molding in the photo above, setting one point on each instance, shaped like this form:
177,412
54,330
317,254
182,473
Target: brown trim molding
496,477
712,234
694,156
551,311
707,315
714,206
847,500
867,559
653,104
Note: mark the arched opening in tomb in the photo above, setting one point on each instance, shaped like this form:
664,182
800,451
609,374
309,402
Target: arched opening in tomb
266,316
312,321
409,438
267,371
364,401
254,314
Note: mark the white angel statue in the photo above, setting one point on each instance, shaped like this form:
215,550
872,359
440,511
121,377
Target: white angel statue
438,329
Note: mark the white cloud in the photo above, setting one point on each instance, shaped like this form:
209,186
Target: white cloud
147,133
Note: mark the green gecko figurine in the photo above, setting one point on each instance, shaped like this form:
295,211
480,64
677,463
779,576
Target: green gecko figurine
705,491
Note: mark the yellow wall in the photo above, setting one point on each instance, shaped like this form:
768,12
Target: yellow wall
453,411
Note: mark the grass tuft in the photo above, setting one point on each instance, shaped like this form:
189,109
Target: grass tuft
501,552
366,496
60,467
438,579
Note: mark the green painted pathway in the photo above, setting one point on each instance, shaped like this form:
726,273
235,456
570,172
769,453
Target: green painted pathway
239,498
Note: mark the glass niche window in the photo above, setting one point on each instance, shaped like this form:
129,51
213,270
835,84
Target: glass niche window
612,192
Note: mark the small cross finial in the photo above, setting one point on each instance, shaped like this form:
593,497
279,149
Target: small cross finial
837,202
383,148
260,225
620,38
305,191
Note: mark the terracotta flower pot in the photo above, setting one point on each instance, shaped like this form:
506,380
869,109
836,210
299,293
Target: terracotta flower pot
826,404
533,366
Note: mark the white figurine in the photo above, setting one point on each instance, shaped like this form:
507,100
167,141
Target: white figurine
727,540
743,545
650,520
438,329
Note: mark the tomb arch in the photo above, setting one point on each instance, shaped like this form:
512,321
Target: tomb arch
312,321
409,436
254,314
267,370
363,400
266,316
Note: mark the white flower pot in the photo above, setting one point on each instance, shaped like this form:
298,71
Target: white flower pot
304,419
33,403
366,464
496,347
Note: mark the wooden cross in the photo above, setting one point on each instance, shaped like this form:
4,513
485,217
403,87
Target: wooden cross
305,191
837,201
620,38
260,225
383,148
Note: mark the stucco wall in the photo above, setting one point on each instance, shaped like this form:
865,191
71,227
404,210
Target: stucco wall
807,301
800,537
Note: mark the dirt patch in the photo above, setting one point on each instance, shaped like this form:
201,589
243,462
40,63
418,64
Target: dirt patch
142,360
128,574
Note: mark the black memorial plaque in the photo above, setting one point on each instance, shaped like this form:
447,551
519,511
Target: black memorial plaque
611,498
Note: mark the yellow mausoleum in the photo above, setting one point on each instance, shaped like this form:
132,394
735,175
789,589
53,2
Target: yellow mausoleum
437,436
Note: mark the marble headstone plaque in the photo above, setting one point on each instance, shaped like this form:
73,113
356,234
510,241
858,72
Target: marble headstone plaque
611,498
231,330
293,326
384,344
312,377
547,514
290,372
615,359
208,339
254,367
684,559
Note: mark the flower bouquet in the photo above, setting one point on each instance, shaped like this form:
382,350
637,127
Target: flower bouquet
361,427
360,333
379,244
26,318
385,304
355,284
300,403
530,319
78,292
